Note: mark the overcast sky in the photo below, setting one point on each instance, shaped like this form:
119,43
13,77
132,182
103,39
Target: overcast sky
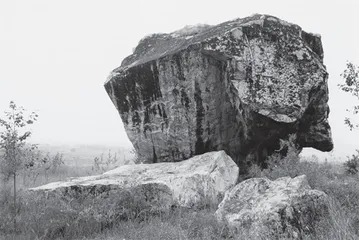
56,55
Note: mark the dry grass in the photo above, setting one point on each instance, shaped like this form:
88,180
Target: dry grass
178,224
56,218
121,216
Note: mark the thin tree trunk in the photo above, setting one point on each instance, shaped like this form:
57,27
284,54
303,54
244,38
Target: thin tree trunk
15,228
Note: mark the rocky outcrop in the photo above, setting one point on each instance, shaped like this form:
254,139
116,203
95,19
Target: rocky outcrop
239,86
282,209
193,183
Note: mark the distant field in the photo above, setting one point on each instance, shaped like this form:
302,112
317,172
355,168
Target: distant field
83,155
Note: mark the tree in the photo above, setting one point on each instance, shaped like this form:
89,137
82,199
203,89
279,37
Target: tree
14,148
351,85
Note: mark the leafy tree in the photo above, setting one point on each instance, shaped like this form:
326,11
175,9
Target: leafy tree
351,85
14,149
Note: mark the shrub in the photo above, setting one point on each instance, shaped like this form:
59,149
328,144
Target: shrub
352,164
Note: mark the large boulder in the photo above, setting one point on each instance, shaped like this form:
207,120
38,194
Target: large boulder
286,208
193,183
239,86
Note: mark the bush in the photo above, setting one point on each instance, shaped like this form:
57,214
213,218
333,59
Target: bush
352,164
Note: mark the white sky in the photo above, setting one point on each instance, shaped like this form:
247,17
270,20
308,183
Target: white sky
56,55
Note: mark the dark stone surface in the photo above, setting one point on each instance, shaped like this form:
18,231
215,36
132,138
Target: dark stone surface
239,86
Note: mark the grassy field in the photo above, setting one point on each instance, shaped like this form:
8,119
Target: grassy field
41,218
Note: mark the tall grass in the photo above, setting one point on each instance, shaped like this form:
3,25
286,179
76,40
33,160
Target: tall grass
125,214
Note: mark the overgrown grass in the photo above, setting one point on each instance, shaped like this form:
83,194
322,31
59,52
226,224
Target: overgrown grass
121,215
177,224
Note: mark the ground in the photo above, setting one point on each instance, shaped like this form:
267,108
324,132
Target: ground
41,219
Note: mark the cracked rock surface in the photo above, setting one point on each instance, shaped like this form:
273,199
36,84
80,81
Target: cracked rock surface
239,86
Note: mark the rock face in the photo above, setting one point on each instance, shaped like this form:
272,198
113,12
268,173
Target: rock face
238,86
266,209
193,183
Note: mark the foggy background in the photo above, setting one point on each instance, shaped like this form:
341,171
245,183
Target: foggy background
56,55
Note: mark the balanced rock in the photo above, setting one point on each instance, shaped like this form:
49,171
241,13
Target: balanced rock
282,209
193,183
239,86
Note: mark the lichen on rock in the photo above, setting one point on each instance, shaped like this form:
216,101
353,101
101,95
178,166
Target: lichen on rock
239,86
